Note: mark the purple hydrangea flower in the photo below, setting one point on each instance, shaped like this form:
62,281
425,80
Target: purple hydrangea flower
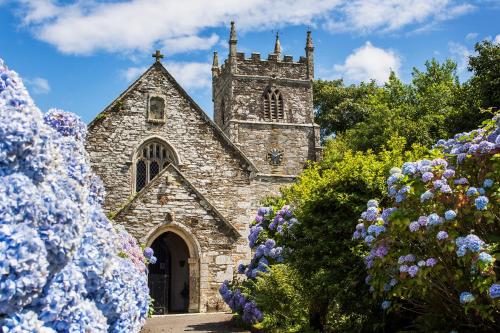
427,176
448,173
413,270
148,252
414,226
461,181
403,268
442,235
430,262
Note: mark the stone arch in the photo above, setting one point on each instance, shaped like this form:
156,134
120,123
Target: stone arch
137,158
194,250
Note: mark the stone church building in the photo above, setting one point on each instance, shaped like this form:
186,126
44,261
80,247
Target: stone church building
187,185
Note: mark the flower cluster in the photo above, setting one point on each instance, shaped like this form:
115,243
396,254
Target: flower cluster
445,214
240,304
266,233
61,271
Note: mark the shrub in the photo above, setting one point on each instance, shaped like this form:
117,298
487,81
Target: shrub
61,271
279,295
434,251
266,234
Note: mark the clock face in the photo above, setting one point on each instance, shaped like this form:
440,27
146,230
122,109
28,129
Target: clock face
275,157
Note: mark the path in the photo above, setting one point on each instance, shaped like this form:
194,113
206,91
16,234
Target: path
199,323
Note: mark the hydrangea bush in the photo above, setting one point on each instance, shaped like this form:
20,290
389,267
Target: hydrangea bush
435,250
61,269
267,232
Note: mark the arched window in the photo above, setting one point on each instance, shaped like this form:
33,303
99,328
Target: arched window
272,105
153,156
156,111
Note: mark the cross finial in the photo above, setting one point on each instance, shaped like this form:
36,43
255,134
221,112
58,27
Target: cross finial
157,55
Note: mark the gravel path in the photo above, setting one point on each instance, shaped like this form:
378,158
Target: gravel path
199,322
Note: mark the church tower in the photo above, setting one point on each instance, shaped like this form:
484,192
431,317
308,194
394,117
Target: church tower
265,107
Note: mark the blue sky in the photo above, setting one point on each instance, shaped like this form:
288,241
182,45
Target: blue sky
80,55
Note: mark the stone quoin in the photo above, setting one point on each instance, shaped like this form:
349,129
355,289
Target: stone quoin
188,186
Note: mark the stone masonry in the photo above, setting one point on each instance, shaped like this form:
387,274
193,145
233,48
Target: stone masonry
217,172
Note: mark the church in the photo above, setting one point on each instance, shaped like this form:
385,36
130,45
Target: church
188,186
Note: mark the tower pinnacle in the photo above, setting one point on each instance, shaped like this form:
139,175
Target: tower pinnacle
232,36
277,44
309,42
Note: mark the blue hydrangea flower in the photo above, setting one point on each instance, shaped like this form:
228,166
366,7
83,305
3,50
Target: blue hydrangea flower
430,262
466,297
486,257
409,168
481,202
495,290
385,305
434,219
426,196
461,181
488,183
471,191
450,215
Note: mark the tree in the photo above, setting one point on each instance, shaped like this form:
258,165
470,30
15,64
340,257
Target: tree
485,66
340,107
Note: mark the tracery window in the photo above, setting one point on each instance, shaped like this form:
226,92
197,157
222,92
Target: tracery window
156,112
272,105
153,157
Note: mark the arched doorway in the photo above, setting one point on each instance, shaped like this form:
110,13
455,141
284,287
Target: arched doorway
168,279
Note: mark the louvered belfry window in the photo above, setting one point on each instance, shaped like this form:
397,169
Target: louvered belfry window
153,157
272,105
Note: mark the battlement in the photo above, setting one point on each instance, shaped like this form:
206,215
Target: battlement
275,65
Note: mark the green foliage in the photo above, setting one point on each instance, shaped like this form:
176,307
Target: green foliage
340,107
328,199
485,66
280,296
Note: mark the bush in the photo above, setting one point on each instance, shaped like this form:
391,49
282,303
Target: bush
328,198
61,271
279,295
434,251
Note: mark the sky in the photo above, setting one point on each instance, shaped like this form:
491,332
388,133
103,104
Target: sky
80,55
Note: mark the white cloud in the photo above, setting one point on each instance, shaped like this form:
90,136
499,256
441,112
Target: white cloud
391,15
38,85
189,43
461,55
471,36
85,27
369,62
497,39
191,75
132,73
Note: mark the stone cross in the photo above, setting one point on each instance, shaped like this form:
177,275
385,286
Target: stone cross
157,55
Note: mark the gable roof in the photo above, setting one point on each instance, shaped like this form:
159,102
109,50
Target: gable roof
189,185
246,162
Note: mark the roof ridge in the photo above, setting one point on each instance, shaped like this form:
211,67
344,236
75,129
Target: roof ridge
183,92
